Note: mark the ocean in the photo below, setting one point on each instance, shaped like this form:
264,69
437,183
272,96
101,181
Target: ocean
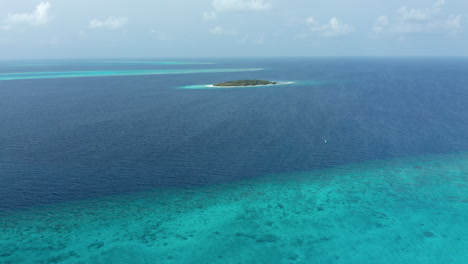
351,160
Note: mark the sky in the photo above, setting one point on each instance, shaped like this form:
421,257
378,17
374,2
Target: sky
62,29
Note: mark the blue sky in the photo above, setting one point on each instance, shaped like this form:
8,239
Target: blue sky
32,29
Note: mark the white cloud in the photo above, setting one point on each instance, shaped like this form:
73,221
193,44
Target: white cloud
453,23
420,14
111,22
37,17
216,30
336,28
311,21
241,5
210,15
252,41
333,28
381,23
221,31
429,20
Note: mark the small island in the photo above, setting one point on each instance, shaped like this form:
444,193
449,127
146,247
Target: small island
244,83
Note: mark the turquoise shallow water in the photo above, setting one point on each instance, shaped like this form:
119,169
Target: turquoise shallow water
111,62
139,62
78,74
409,210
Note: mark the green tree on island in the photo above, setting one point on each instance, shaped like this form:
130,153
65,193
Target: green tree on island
244,83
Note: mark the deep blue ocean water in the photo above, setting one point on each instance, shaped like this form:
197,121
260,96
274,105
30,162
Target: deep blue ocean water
82,138
75,138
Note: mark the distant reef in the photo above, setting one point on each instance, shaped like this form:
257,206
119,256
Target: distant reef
244,83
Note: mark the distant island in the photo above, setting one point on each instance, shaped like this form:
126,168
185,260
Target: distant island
244,83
